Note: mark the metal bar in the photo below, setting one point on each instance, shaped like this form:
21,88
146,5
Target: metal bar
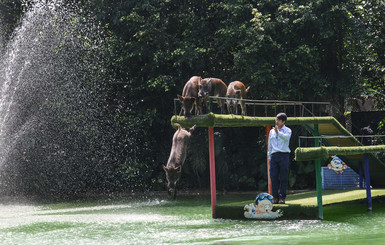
311,112
213,187
275,109
340,136
299,142
303,110
367,181
294,110
210,105
361,174
318,177
275,101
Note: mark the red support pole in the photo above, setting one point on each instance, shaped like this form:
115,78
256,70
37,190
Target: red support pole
212,171
268,128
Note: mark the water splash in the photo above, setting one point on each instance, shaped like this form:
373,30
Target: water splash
58,131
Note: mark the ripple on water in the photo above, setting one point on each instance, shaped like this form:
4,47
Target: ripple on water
158,222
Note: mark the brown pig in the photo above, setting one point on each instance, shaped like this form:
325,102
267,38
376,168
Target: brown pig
189,97
236,90
212,87
177,157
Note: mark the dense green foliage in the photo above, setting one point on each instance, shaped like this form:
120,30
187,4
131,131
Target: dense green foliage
288,50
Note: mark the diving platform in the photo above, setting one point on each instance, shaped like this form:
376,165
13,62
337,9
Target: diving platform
330,138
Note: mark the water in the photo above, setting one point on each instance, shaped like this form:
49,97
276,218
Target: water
158,220
59,131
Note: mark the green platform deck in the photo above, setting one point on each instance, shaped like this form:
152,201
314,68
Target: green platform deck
302,205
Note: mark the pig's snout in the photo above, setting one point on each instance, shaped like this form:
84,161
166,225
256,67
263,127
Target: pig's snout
201,94
172,192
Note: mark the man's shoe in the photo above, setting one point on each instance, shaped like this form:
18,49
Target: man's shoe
275,200
281,201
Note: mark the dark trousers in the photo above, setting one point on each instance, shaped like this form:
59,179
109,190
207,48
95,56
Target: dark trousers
279,174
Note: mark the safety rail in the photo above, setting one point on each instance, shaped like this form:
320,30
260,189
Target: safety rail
357,140
272,107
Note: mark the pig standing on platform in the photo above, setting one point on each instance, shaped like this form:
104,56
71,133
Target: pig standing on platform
189,97
212,87
236,90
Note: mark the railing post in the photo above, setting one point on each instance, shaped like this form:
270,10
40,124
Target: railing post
210,105
318,176
312,109
331,110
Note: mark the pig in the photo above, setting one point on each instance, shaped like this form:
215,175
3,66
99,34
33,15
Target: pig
190,98
212,87
177,157
236,90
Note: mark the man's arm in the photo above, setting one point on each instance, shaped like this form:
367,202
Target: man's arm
285,135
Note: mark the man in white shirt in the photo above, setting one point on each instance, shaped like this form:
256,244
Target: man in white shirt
279,152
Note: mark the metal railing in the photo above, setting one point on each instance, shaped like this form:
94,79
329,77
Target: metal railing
357,140
272,107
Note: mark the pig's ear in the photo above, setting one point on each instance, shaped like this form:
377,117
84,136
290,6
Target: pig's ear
178,169
247,90
180,98
165,168
192,128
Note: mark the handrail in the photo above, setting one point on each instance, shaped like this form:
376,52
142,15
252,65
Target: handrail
273,104
354,138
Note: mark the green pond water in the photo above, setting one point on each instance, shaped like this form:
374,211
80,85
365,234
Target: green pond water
187,220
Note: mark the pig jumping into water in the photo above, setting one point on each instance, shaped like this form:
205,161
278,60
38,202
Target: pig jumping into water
236,90
212,87
177,157
190,98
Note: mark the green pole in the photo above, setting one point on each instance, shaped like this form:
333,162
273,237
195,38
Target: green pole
318,176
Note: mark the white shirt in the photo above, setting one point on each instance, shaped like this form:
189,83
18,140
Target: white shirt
279,142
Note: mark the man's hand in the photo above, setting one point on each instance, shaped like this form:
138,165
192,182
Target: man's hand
276,129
